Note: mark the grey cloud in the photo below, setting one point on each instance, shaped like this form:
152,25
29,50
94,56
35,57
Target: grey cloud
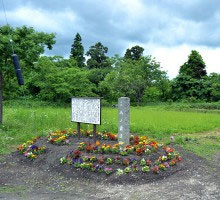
165,22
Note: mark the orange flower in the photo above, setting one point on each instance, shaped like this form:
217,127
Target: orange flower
97,143
20,148
168,149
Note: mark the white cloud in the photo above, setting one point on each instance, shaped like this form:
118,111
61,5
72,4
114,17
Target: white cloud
131,7
171,58
41,19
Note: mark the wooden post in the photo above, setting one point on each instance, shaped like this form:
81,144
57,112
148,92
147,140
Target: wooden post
78,130
94,132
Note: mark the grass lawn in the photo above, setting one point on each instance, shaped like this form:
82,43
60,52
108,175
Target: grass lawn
193,130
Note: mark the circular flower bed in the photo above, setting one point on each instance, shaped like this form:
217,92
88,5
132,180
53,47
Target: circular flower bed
143,157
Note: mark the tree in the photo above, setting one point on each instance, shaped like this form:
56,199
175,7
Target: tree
194,67
57,83
190,82
77,51
214,86
187,88
131,78
134,53
28,45
98,58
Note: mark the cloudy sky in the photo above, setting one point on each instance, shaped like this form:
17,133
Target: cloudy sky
167,29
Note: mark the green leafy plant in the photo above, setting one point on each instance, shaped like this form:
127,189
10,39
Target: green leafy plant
143,162
127,170
145,169
124,153
109,161
119,172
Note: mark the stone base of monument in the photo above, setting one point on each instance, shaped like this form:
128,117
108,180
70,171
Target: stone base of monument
103,162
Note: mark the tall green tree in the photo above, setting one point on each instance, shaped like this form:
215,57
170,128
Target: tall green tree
194,67
134,53
77,51
98,58
190,82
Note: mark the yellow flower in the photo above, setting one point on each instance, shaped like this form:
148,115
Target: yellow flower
141,143
33,156
121,143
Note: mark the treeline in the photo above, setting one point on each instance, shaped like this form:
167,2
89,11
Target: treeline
133,75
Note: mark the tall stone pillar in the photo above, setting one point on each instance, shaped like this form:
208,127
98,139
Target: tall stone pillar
123,121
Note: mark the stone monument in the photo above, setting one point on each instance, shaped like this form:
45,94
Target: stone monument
123,122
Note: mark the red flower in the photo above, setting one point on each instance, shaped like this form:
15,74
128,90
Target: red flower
101,160
154,144
168,149
136,140
76,154
148,162
173,162
126,161
111,136
89,148
139,151
156,169
178,158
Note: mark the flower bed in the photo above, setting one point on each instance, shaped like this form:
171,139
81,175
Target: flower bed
144,156
30,150
121,165
61,137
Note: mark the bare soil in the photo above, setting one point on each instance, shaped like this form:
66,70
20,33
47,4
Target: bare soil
44,178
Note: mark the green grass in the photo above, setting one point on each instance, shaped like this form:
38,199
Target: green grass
12,189
24,122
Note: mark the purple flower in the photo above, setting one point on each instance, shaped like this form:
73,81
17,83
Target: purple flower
71,152
108,170
75,160
166,164
34,147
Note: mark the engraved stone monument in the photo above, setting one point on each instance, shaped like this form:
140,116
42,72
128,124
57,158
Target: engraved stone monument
123,121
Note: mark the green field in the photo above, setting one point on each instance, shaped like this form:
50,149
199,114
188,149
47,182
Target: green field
189,128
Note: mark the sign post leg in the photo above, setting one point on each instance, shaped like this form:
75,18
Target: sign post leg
94,132
78,129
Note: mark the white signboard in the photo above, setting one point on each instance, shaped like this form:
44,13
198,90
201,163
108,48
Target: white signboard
86,110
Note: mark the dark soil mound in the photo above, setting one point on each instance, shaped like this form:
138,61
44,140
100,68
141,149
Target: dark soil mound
50,161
